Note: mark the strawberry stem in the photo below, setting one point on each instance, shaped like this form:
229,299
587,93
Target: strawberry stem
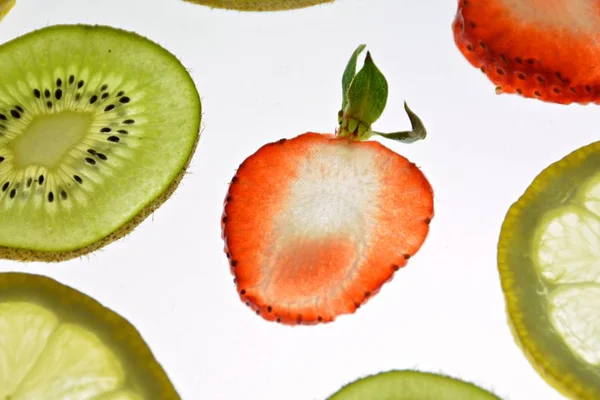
364,97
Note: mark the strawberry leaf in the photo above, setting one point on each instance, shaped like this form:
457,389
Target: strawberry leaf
367,94
364,98
349,73
418,131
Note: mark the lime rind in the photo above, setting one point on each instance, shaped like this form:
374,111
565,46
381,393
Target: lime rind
259,5
85,341
120,395
527,292
589,195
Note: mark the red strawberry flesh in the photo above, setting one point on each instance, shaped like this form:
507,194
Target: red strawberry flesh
544,49
315,225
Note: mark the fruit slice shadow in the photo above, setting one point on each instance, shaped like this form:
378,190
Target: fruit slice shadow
58,343
548,256
259,5
411,385
545,50
97,126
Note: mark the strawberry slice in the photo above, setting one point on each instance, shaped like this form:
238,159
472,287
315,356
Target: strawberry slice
544,49
315,225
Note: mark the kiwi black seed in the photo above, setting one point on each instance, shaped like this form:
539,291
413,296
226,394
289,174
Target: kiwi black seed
259,5
411,385
91,140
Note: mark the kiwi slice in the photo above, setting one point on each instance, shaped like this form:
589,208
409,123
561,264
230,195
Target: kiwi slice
58,343
5,7
548,260
259,5
411,385
97,128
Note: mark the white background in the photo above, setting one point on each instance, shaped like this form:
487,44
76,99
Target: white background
271,76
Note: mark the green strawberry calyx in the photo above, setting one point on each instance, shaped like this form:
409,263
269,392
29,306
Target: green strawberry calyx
364,97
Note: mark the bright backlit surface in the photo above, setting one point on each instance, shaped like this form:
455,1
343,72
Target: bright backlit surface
271,76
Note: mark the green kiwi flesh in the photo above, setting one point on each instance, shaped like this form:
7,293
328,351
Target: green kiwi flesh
97,128
411,385
259,5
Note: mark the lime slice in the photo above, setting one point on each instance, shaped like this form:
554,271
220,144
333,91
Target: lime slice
57,343
549,264
5,7
411,385
259,5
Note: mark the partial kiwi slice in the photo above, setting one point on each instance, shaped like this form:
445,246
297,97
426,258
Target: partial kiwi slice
57,343
411,385
549,264
259,5
5,7
97,128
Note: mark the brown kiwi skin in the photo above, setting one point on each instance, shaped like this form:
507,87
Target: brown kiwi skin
28,255
259,5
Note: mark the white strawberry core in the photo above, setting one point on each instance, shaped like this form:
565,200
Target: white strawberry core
335,193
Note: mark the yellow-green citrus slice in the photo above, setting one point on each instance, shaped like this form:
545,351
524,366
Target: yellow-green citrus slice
259,5
549,264
5,7
411,385
58,344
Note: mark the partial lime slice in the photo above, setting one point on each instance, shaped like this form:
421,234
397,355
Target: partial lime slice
5,7
57,343
411,385
549,263
259,5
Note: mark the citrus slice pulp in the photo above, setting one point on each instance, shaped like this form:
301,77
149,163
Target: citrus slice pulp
549,265
57,343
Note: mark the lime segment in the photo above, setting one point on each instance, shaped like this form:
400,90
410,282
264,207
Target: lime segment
74,364
575,314
589,195
569,246
52,359
25,331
